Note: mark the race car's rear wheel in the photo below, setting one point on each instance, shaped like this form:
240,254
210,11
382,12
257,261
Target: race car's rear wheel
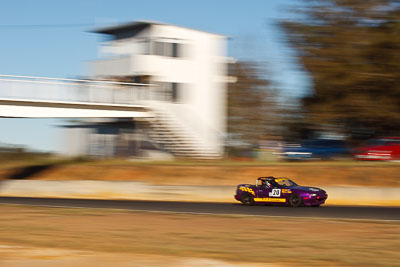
295,200
247,199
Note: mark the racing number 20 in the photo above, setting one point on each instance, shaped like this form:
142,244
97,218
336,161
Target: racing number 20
276,193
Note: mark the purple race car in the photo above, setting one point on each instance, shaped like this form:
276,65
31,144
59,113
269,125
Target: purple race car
279,191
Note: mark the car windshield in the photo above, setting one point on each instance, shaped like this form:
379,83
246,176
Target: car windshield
382,142
285,182
322,143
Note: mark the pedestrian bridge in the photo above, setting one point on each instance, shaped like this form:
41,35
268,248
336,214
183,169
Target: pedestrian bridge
43,97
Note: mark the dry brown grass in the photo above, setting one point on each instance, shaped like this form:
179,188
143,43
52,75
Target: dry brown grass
288,242
313,174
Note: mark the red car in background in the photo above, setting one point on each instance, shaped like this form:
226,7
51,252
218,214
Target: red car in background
385,148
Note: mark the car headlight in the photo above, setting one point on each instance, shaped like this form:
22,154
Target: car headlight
313,195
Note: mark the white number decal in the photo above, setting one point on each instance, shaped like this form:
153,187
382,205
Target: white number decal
275,193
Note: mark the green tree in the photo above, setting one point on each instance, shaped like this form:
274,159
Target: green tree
252,109
351,49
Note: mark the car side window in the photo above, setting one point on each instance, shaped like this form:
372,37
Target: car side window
392,143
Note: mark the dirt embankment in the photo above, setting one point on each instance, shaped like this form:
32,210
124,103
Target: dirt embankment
318,175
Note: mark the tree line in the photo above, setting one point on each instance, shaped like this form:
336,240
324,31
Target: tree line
351,51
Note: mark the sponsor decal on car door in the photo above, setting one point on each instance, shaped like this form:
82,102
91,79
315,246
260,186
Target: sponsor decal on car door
274,195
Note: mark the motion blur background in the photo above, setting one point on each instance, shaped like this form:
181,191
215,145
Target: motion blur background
296,73
183,100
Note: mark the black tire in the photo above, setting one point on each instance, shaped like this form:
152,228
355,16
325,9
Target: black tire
295,200
247,199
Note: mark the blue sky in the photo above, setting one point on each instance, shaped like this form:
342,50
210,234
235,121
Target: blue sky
61,51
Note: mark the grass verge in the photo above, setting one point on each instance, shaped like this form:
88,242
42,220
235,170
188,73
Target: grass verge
286,242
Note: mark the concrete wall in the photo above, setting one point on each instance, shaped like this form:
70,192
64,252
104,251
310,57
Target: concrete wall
337,195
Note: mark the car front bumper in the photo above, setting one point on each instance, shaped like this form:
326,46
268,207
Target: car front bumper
372,157
318,200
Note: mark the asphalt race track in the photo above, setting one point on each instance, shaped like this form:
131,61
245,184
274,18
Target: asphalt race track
338,212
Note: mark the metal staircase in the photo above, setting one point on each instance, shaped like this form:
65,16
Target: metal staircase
170,134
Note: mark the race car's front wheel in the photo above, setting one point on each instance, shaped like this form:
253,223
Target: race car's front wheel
247,199
295,200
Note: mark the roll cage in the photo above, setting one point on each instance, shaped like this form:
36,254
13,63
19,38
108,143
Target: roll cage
272,181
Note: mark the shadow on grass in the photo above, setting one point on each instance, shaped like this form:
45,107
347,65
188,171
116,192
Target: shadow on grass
29,171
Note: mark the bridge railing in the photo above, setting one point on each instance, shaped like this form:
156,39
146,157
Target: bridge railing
29,88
